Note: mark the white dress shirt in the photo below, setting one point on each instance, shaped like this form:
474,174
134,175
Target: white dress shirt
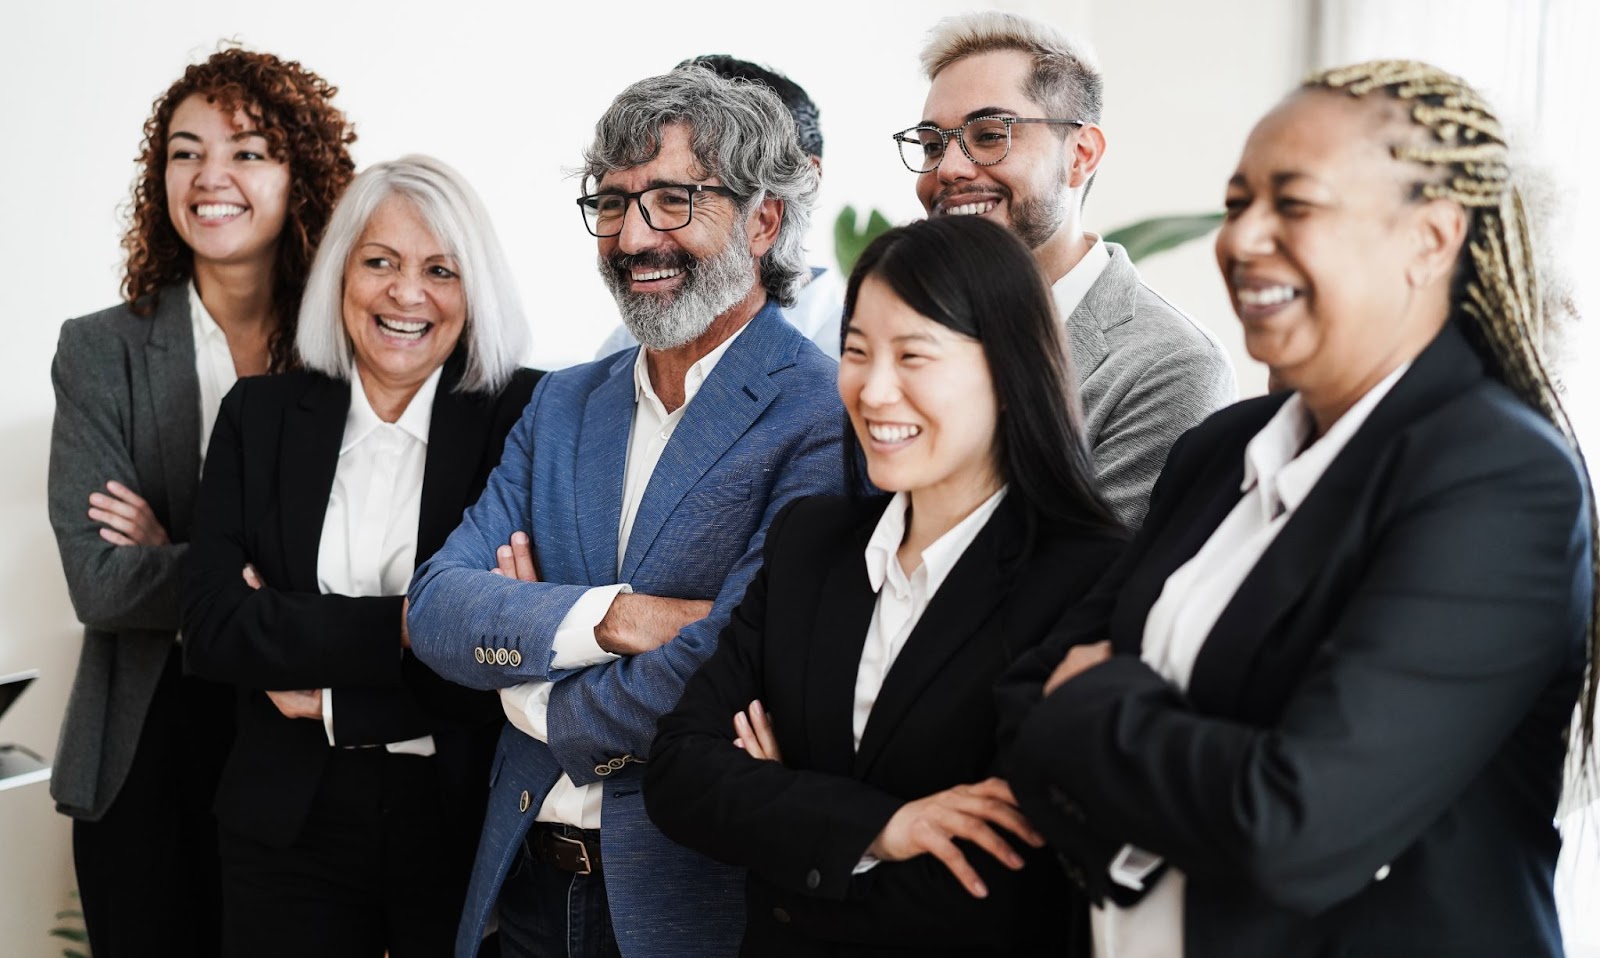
903,598
526,706
1069,290
369,533
213,365
1280,470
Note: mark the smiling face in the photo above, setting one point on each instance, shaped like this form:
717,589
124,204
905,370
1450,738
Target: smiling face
670,286
921,401
1027,191
404,305
226,195
1336,275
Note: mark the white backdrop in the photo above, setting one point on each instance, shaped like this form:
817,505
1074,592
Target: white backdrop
508,94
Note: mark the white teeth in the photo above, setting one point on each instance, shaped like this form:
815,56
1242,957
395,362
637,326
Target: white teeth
1271,296
884,432
971,209
402,329
655,274
211,211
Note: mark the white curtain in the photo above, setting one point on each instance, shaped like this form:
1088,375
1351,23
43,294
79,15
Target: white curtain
1538,62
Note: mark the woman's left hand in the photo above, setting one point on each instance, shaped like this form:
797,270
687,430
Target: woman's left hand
1080,659
753,729
126,518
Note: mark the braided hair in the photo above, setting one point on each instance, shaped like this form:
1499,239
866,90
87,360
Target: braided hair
1496,286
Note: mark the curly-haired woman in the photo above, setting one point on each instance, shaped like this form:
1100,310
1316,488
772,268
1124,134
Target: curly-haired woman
243,159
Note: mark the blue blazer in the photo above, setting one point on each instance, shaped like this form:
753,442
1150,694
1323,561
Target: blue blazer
763,430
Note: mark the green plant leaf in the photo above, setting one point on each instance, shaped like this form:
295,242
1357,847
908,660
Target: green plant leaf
74,953
70,934
69,913
849,241
1151,236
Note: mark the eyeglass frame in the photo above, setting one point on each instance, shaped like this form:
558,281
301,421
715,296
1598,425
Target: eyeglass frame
638,201
961,137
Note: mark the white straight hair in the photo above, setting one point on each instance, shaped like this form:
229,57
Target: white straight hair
496,333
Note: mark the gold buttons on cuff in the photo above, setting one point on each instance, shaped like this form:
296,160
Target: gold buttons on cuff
516,658
525,801
477,653
602,770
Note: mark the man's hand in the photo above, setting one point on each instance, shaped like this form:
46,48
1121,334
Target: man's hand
515,561
1080,659
754,731
302,704
638,623
127,518
929,826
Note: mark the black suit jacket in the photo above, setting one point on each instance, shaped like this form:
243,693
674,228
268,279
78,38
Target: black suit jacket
795,643
1369,755
268,474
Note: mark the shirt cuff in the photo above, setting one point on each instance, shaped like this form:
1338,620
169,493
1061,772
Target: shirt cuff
527,707
327,714
866,864
575,646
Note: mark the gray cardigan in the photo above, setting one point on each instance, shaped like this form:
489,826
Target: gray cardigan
127,408
1146,374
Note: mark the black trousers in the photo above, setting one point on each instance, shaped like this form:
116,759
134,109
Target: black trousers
377,868
148,870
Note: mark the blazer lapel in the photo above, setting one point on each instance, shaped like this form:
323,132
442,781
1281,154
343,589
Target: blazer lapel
839,633
738,390
602,458
312,432
969,595
1108,300
456,437
1296,557
174,390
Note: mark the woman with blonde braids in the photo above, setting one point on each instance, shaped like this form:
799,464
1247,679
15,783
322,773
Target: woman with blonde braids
1321,705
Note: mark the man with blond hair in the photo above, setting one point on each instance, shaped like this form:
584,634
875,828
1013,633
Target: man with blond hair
1011,131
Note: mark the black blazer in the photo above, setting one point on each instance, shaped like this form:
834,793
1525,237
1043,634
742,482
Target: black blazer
1369,756
795,642
268,474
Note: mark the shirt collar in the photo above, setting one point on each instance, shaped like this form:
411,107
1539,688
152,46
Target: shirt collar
1279,461
692,380
938,558
205,327
362,421
1070,289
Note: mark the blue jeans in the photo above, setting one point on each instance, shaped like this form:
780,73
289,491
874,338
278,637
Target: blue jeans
549,913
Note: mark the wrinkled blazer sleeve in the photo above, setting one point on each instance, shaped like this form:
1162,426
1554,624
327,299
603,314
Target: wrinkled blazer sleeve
270,638
457,604
112,587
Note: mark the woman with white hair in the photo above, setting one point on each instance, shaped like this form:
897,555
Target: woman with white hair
350,805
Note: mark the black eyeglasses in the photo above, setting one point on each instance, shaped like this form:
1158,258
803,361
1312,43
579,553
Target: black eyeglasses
985,139
665,208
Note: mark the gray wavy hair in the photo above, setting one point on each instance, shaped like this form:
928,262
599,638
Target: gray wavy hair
740,132
496,334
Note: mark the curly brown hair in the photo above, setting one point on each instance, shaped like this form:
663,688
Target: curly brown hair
293,107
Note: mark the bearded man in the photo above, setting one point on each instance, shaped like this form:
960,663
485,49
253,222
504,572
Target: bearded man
626,518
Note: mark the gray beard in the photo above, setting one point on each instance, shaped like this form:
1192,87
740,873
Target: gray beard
711,287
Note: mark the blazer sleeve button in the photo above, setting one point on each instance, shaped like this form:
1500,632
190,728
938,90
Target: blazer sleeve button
602,770
813,879
516,658
780,916
501,656
1382,874
525,801
477,653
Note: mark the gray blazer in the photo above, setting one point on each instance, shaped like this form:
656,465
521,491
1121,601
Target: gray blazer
1146,373
127,408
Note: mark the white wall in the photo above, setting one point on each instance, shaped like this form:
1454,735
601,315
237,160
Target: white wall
509,96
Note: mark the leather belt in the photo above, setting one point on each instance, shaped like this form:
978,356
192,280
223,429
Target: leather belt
569,849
